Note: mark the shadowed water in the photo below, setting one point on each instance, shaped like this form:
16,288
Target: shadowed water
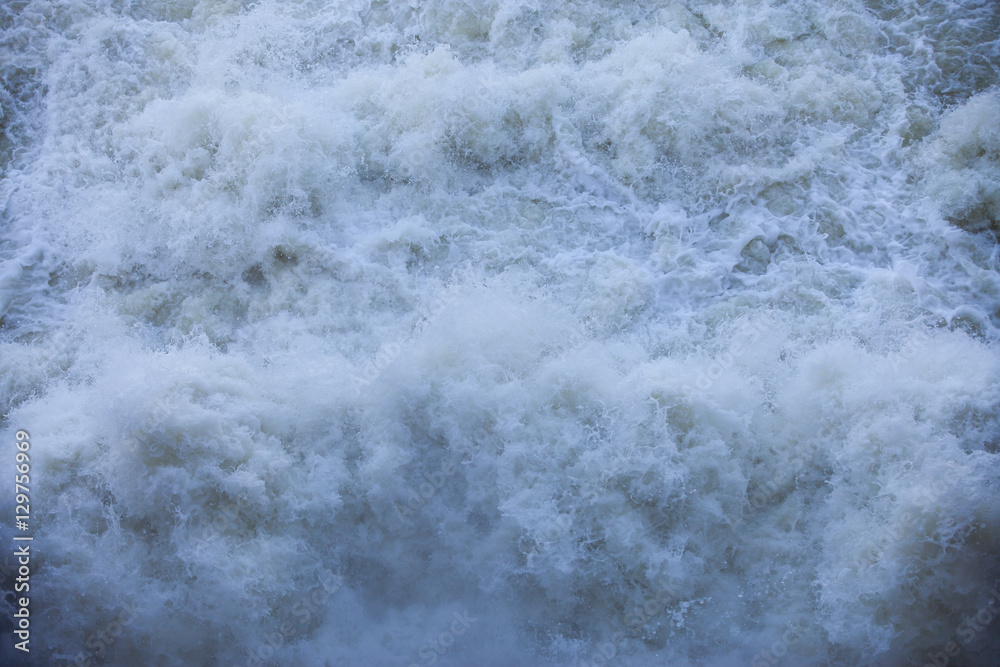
471,332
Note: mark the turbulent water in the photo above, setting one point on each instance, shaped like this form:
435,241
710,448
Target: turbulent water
500,332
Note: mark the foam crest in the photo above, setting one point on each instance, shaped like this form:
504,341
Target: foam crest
499,333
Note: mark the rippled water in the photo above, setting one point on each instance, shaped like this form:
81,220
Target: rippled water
471,332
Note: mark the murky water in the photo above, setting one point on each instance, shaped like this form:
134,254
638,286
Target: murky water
504,333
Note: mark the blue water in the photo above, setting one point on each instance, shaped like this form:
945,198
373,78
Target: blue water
495,332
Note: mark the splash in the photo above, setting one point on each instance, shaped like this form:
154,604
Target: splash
503,333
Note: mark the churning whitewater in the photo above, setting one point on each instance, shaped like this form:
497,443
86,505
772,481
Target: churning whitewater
502,332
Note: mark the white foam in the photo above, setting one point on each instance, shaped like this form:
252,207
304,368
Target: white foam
639,335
